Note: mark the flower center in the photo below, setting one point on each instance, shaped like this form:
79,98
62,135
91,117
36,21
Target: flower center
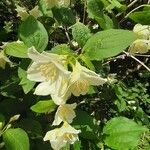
49,71
80,87
68,136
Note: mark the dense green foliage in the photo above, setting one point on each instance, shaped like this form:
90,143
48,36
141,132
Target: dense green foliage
97,33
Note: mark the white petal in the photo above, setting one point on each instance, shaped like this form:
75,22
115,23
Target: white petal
38,57
51,135
58,144
34,74
44,88
57,120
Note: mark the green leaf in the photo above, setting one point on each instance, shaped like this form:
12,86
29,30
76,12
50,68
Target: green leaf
16,49
33,33
108,43
64,16
105,22
16,139
141,17
32,127
2,118
86,124
95,8
81,33
122,133
62,49
77,145
26,84
44,106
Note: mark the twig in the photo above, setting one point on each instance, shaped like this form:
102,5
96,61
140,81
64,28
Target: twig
130,5
84,13
142,55
137,61
144,5
69,40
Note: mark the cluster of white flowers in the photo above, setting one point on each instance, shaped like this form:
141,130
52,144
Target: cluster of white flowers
54,79
142,44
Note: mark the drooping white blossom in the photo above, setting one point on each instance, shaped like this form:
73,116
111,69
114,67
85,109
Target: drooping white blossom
48,69
59,137
142,44
81,78
65,113
143,31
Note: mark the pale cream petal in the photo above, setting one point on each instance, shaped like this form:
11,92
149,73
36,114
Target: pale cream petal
38,57
35,12
65,113
58,144
34,74
51,135
43,89
57,120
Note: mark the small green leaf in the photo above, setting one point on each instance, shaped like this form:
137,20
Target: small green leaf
108,43
26,84
16,49
32,127
44,106
33,33
81,33
64,16
86,124
95,8
16,139
62,49
122,133
141,17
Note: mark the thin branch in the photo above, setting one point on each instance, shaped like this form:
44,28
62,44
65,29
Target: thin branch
137,60
139,55
130,5
69,40
144,5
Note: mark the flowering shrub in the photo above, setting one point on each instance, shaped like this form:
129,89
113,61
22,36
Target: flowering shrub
60,86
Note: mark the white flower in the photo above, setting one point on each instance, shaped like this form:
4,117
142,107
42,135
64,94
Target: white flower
48,69
22,12
140,46
59,137
65,113
82,78
3,60
143,31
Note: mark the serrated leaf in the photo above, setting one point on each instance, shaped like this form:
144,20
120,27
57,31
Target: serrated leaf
16,139
141,17
64,16
16,49
33,33
62,49
122,133
44,106
26,84
81,33
108,43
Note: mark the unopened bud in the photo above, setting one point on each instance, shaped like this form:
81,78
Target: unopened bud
14,118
